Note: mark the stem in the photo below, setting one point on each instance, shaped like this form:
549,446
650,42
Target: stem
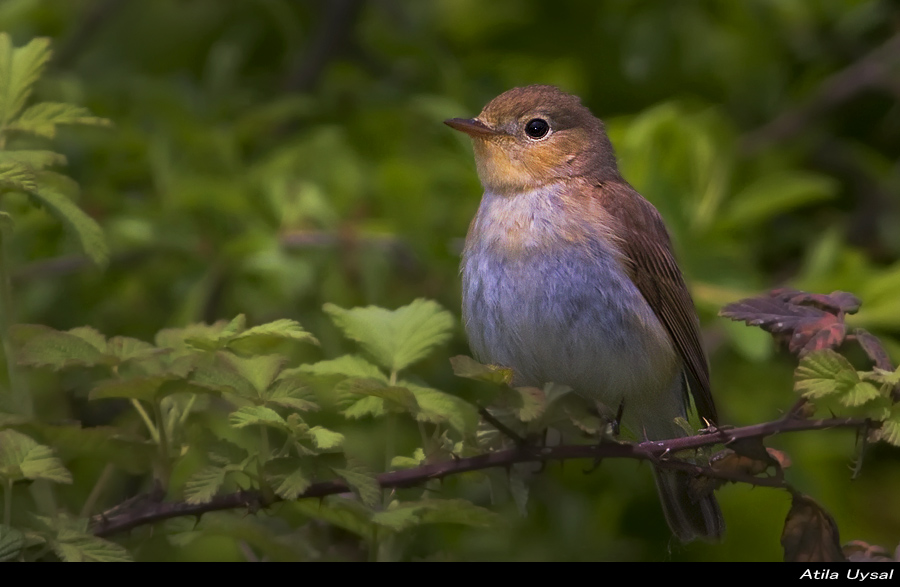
154,433
21,399
98,488
7,503
163,442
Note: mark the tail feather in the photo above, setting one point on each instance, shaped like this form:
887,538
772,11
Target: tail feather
690,516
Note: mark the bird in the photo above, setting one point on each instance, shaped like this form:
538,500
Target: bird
568,276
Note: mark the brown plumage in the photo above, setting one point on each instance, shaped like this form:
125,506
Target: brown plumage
569,276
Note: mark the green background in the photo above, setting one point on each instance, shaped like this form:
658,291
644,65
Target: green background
269,156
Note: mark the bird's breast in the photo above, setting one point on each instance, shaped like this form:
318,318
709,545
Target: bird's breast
545,292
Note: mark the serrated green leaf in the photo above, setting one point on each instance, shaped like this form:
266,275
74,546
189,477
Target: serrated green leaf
16,176
436,406
265,337
469,368
527,403
400,398
257,415
203,485
288,477
349,515
409,462
42,119
19,69
84,228
399,338
125,348
367,406
12,541
21,457
818,374
41,346
347,365
291,393
326,439
882,376
73,546
35,159
91,336
362,482
260,371
434,511
224,373
859,394
890,427
177,338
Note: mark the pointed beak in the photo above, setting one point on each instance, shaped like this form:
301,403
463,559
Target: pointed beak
471,126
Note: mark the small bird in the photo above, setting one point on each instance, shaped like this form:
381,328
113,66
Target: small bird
568,276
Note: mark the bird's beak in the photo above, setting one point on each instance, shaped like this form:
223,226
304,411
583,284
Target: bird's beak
471,126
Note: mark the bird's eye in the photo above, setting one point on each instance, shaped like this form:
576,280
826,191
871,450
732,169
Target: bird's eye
537,128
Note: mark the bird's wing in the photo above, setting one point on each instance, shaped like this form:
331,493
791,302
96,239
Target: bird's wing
653,269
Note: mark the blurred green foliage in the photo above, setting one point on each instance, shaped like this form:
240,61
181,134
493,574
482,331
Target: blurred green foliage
269,157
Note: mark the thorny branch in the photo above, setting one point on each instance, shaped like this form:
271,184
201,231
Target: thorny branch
148,511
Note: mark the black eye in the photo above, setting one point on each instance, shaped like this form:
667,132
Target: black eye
537,128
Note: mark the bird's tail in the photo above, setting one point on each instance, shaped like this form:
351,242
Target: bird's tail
690,515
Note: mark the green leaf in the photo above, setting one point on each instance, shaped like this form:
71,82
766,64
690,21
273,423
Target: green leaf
128,451
35,159
860,393
326,439
290,393
362,482
23,458
776,194
257,415
434,511
125,348
288,477
15,176
349,515
400,398
399,338
74,546
469,368
19,69
409,462
41,346
890,428
527,403
84,228
347,365
42,119
148,388
260,371
882,376
12,541
203,485
436,406
264,337
817,374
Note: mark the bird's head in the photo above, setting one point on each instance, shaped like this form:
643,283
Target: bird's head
535,135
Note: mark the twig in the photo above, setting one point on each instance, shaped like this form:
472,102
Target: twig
86,31
331,38
870,71
144,512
